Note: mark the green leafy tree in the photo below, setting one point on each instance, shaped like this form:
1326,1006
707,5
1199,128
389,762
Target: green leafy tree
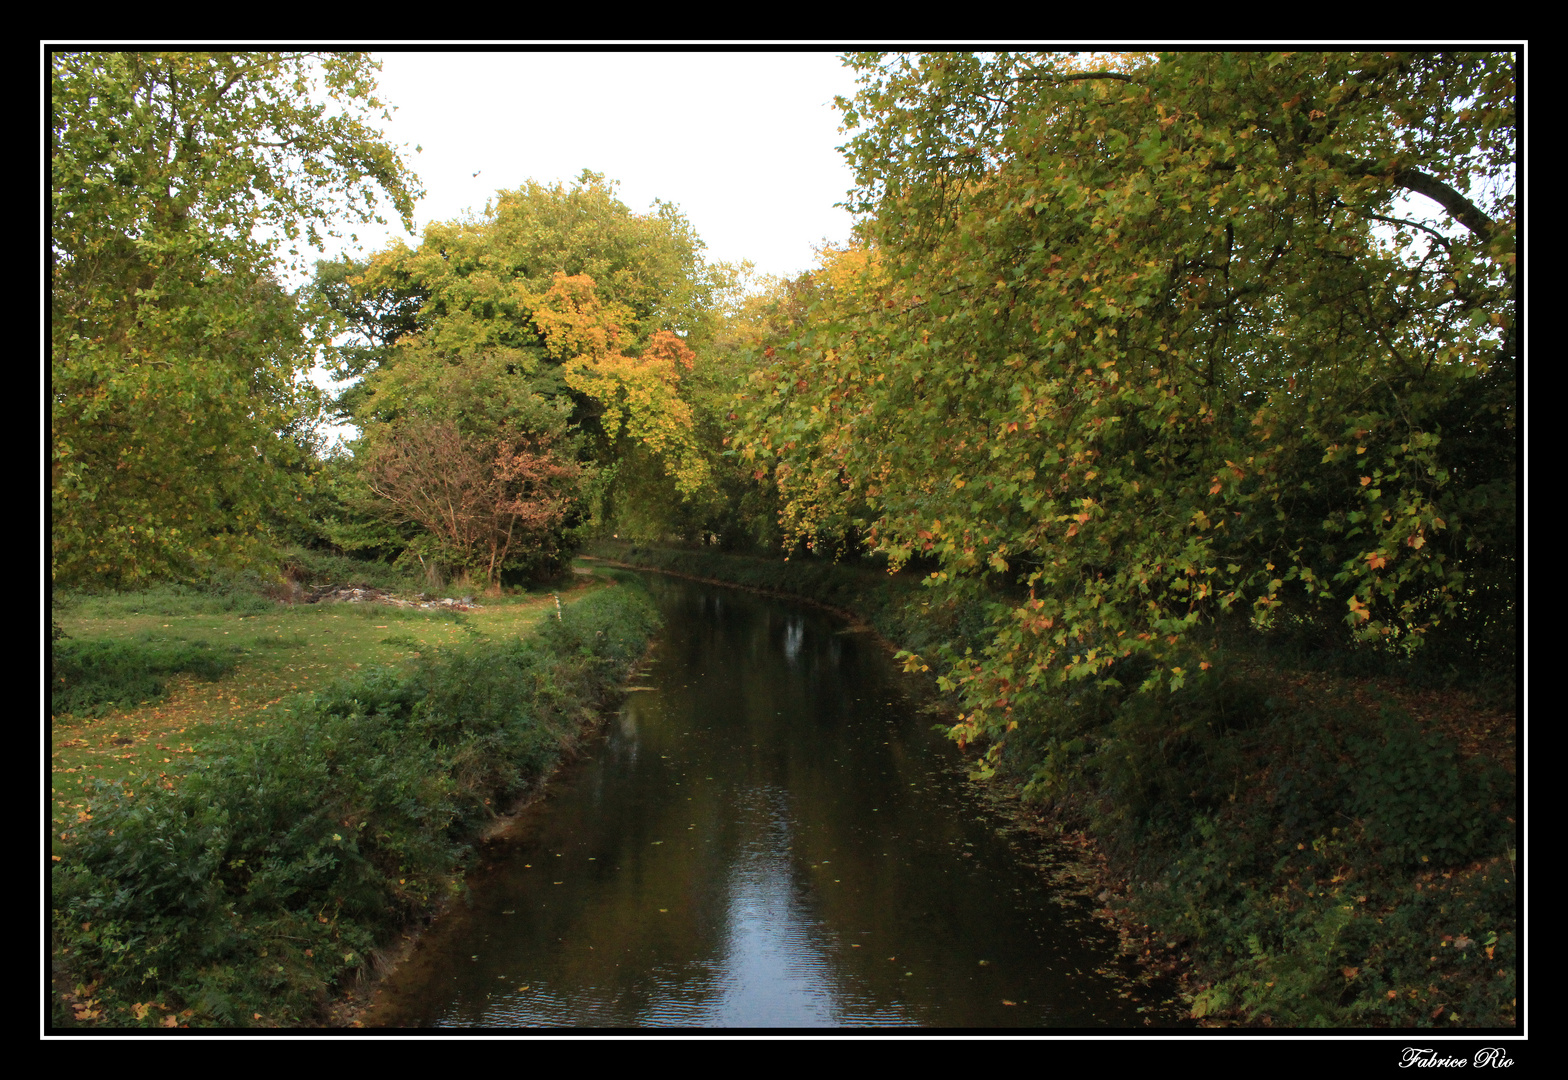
479,281
561,296
368,322
1152,339
178,417
740,507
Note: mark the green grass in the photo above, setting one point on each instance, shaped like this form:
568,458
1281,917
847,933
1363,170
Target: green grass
236,866
152,677
90,677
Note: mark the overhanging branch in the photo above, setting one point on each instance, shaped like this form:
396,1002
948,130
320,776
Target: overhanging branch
1456,204
1462,209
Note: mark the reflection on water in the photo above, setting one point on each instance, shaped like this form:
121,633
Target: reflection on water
769,837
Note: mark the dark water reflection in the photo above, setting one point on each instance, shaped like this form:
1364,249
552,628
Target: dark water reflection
770,836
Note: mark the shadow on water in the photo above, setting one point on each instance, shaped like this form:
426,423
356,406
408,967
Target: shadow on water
770,835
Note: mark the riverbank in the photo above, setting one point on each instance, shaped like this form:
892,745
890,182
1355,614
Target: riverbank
1290,846
292,852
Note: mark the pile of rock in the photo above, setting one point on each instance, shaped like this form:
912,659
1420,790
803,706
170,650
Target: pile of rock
356,594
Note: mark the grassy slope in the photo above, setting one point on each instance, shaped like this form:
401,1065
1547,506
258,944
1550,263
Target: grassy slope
282,653
280,649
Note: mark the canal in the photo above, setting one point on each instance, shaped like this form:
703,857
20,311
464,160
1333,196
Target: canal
770,835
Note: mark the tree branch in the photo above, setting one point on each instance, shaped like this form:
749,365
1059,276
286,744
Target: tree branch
1033,77
1456,204
1439,237
1462,209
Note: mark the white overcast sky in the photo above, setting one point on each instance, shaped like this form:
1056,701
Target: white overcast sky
744,142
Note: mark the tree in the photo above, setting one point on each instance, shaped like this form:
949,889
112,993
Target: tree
480,280
370,321
485,400
489,501
177,411
564,296
1151,341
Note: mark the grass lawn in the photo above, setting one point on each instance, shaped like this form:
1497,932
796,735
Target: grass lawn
279,649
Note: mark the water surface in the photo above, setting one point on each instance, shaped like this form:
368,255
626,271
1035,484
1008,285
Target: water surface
770,835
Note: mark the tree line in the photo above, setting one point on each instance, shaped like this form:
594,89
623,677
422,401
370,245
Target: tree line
1135,344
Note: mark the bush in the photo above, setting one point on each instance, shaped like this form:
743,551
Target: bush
1317,858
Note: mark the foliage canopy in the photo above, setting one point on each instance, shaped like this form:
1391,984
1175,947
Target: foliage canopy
1157,340
577,316
177,411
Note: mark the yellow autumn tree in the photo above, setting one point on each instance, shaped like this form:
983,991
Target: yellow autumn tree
638,397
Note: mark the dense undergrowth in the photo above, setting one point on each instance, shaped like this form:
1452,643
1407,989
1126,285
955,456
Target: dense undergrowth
254,889
1322,858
